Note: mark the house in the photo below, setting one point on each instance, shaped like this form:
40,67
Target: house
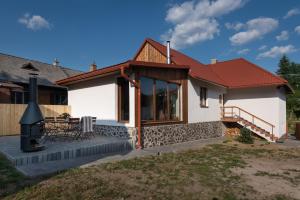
162,96
14,77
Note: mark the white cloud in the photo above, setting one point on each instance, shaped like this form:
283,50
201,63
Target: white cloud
277,51
196,21
292,12
234,26
263,47
34,22
243,51
284,35
255,29
297,29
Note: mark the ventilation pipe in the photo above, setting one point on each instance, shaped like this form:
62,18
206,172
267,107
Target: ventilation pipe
168,53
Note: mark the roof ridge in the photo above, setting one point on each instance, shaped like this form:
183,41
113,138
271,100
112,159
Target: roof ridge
264,70
19,57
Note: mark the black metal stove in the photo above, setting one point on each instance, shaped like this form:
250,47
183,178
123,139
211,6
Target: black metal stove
32,121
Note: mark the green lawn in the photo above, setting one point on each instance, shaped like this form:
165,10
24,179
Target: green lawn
207,173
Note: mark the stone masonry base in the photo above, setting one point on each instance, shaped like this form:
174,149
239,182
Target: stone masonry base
171,134
166,134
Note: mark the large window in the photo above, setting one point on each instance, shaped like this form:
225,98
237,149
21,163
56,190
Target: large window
123,95
159,100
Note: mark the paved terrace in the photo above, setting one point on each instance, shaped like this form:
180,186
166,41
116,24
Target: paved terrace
62,150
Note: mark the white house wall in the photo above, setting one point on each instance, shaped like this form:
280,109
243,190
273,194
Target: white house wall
196,113
268,103
98,98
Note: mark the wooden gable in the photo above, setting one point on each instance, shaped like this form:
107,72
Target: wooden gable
149,54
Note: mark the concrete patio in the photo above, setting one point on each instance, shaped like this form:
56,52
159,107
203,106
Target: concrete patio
63,150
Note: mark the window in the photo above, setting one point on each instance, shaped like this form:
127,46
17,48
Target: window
203,97
123,96
147,99
18,97
58,99
174,101
221,99
159,100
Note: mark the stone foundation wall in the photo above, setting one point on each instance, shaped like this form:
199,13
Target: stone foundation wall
165,134
170,134
115,131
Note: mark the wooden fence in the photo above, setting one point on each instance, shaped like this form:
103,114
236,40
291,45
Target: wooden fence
10,115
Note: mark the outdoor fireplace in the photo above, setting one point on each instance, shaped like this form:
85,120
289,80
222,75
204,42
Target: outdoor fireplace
32,121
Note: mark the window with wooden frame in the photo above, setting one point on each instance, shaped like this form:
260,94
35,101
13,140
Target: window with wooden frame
123,100
160,100
221,99
203,97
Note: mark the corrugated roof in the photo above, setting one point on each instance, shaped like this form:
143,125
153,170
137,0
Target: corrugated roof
12,69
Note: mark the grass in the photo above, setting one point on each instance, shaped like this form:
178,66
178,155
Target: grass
10,178
206,173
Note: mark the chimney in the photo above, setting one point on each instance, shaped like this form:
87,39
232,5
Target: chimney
213,61
168,53
93,66
56,62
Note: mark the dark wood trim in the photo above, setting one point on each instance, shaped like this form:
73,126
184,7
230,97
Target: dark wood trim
136,108
155,123
185,100
119,101
119,98
170,77
154,99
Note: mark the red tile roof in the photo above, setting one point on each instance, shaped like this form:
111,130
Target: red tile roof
240,73
237,73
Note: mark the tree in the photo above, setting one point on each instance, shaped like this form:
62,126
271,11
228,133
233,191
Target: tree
291,72
284,67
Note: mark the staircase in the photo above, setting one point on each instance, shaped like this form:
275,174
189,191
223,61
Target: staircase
255,124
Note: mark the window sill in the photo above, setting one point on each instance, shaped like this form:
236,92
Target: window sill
152,123
123,121
202,106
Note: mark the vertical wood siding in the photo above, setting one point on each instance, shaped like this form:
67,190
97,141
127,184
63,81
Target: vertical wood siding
10,115
150,54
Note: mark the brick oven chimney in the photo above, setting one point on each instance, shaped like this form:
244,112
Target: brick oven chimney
93,66
213,61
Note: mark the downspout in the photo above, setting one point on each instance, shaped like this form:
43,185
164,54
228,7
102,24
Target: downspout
137,86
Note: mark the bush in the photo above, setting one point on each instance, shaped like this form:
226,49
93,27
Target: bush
65,115
245,136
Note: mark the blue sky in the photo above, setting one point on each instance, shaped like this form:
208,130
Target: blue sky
109,32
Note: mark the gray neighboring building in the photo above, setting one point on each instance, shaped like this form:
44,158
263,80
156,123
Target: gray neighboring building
14,75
